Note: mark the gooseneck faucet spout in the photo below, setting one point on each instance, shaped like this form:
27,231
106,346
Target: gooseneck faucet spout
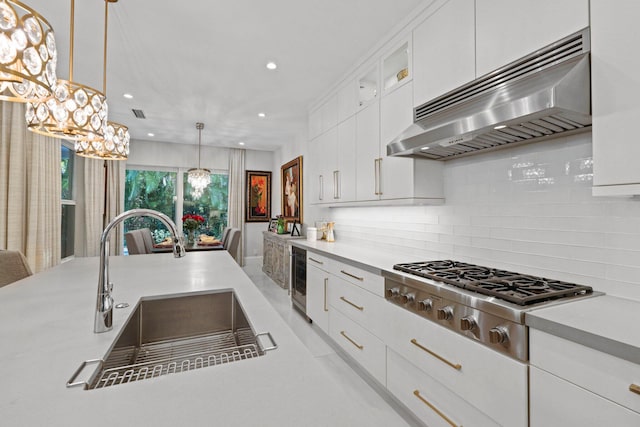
104,303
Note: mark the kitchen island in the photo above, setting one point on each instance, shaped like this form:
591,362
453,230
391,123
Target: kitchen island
46,324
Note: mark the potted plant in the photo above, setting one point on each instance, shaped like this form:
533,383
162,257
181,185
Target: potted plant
281,224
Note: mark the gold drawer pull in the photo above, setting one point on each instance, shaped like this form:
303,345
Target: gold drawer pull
326,281
360,347
634,388
352,304
351,275
455,366
316,261
436,410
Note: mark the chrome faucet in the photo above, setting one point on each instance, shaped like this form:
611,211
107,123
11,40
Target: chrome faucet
104,303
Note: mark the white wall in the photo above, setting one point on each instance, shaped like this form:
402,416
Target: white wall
527,209
260,161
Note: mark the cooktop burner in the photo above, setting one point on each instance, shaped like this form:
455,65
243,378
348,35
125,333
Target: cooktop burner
506,285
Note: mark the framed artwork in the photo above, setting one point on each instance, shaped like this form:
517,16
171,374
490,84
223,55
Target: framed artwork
273,225
291,192
258,202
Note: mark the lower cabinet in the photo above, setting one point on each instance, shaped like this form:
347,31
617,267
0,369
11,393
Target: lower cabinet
275,258
428,399
556,402
594,388
368,350
317,296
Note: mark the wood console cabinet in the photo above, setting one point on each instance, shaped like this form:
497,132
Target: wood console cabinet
275,261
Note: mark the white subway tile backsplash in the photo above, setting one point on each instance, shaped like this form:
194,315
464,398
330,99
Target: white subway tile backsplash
526,209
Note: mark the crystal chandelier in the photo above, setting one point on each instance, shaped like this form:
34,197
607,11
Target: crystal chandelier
28,53
199,178
114,143
74,111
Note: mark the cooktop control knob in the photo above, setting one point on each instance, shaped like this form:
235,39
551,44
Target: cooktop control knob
406,298
445,313
425,305
392,292
498,335
468,323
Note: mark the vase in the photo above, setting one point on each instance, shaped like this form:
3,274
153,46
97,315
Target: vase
330,235
280,228
191,237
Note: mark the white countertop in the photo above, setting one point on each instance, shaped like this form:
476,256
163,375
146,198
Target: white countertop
46,325
605,323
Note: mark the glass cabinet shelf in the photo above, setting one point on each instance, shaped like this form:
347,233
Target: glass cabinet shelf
395,67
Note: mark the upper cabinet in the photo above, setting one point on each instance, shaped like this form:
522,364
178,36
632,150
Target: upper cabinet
347,100
368,87
396,67
444,51
615,86
507,30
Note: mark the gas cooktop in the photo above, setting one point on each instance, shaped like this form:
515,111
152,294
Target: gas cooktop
517,288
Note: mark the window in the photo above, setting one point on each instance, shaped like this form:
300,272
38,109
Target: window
150,189
212,205
68,202
169,192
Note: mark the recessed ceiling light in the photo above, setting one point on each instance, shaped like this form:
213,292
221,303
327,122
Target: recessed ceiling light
128,96
262,115
272,65
240,143
151,134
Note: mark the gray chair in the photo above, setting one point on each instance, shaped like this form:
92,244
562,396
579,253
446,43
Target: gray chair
233,243
135,242
147,239
225,236
13,267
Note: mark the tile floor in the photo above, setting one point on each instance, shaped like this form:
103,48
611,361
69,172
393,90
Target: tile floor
318,345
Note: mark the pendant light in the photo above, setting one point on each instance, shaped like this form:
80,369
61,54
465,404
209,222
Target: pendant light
28,54
74,111
198,178
114,143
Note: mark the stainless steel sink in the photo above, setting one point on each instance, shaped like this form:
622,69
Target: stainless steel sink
171,334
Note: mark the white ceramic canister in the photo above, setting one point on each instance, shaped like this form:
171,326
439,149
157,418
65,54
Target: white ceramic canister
312,234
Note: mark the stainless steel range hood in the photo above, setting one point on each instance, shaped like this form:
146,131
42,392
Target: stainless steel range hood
542,95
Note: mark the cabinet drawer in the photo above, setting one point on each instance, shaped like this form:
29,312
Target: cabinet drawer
319,261
490,381
360,344
601,373
556,402
428,399
365,308
359,277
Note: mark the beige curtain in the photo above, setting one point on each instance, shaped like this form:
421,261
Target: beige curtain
98,211
30,190
236,196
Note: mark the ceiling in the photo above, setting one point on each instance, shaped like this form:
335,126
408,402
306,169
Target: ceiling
204,61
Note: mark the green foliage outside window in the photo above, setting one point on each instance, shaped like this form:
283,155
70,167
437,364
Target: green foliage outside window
212,205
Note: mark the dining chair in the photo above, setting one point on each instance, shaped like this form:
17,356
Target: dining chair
135,242
147,238
225,236
233,243
13,267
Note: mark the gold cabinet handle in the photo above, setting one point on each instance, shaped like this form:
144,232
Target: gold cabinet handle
326,280
455,366
416,393
316,261
360,347
634,388
352,304
351,275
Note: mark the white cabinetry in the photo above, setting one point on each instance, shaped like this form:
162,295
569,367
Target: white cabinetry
466,368
444,51
606,381
556,402
368,152
615,85
344,177
318,290
507,30
347,100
